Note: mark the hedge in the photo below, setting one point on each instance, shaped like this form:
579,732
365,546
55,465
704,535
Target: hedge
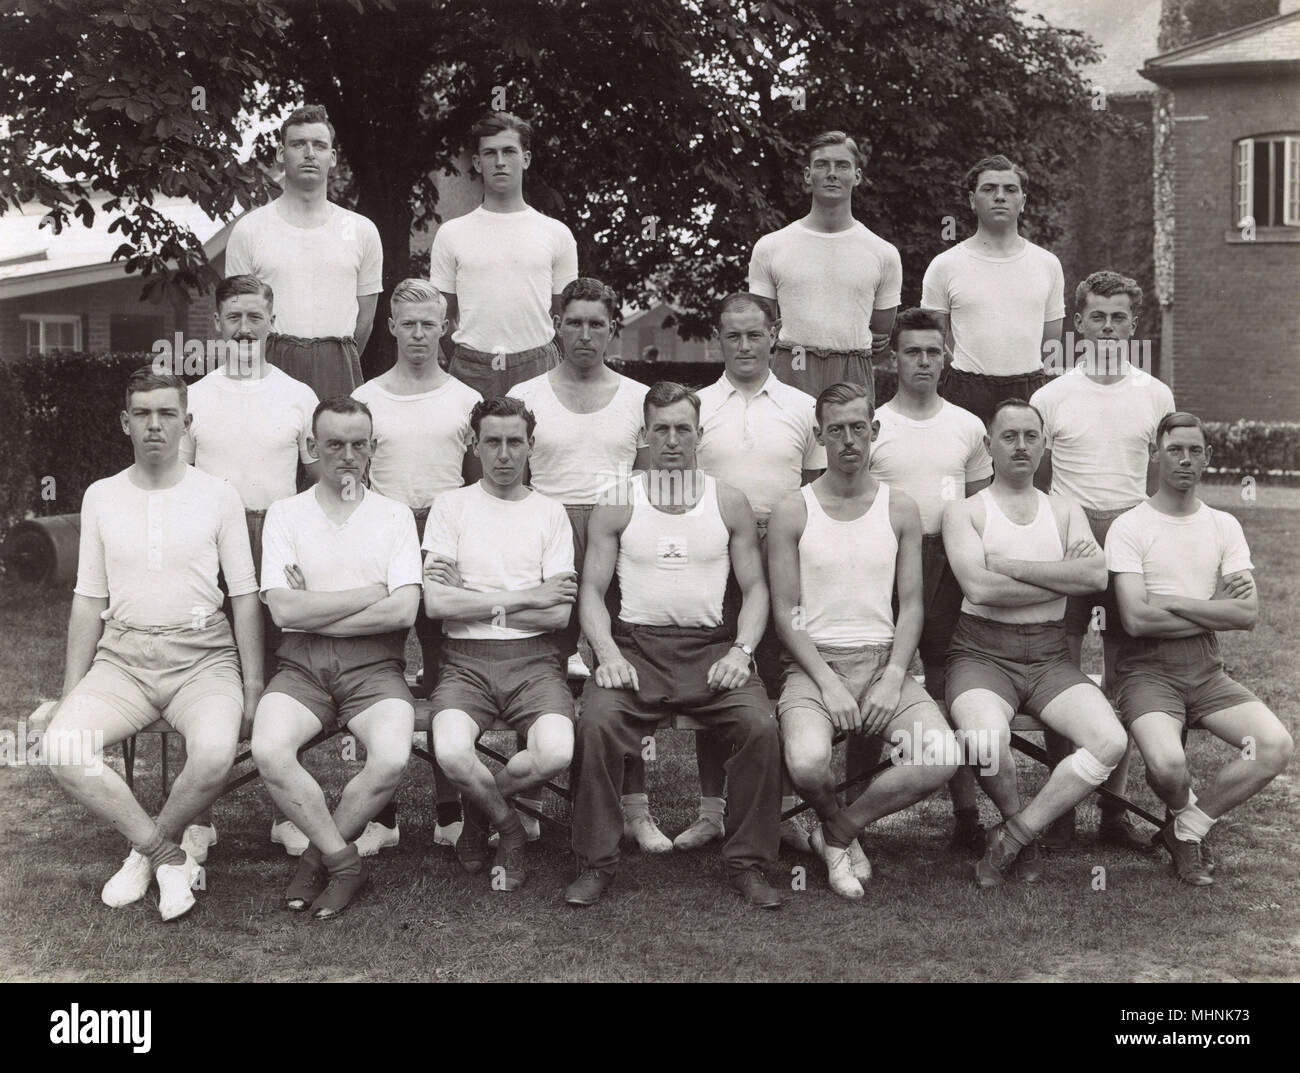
59,420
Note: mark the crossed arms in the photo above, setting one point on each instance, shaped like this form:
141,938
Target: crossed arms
358,612
1234,607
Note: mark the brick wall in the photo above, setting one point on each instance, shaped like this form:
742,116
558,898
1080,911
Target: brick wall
1237,318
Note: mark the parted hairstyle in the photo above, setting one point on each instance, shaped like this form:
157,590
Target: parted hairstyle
587,289
838,395
1178,419
418,290
1007,404
245,284
308,113
997,162
1107,284
495,123
145,379
914,320
743,300
665,393
341,404
502,406
836,137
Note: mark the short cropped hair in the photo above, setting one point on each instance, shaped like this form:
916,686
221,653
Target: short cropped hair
246,284
744,300
836,137
997,162
838,395
496,123
1107,284
501,406
666,393
308,113
341,404
145,379
1007,404
915,320
587,289
418,290
1178,419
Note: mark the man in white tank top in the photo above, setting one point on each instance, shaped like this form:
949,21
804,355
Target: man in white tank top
1018,554
673,537
834,550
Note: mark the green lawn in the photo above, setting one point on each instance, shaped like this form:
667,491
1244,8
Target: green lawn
665,918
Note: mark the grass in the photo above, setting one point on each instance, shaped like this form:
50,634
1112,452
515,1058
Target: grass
666,918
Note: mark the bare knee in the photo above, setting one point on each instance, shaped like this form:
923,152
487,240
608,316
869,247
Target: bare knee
1166,772
387,764
209,762
1274,750
456,759
809,762
1110,747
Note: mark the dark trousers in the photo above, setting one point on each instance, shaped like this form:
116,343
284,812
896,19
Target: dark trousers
672,665
981,394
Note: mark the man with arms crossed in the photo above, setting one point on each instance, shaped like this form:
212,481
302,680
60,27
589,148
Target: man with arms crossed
1018,553
1183,572
500,574
933,452
836,282
422,436
502,267
147,639
673,536
249,425
1099,419
341,574
834,550
1001,297
324,262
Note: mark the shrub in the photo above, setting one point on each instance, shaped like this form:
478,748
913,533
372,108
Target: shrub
15,471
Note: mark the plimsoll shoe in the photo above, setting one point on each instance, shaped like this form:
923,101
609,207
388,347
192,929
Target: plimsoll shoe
644,831
129,883
197,840
1120,831
286,834
176,888
858,862
839,867
1189,858
704,830
376,837
446,836
1000,854
795,837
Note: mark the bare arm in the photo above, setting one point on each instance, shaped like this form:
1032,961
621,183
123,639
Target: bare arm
1052,337
603,529
1225,611
882,323
977,486
642,460
396,611
807,476
961,541
906,518
366,304
313,471
445,344
298,609
1043,478
85,625
746,564
945,323
1141,618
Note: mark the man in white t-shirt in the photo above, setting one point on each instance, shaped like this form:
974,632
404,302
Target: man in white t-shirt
1001,297
499,573
837,283
933,451
147,640
502,268
249,425
1183,572
1099,419
324,262
341,574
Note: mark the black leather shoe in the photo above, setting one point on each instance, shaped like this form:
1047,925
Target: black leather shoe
588,887
1119,831
753,886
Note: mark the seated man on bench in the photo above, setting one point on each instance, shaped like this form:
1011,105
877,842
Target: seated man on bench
499,573
341,574
1017,554
1183,572
673,534
147,639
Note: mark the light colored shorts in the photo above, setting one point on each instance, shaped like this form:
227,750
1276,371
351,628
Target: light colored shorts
858,669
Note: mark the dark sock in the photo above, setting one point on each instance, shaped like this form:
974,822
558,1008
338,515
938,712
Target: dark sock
838,831
387,815
448,812
966,817
511,830
1018,832
160,850
346,862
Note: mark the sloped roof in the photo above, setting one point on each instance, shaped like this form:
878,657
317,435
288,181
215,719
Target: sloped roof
1126,30
1271,45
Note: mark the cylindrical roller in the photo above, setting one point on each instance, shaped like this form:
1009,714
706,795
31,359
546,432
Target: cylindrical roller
43,551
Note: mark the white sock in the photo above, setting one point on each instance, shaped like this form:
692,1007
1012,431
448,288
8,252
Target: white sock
636,804
713,807
1190,823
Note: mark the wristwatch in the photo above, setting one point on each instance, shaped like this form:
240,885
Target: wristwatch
747,649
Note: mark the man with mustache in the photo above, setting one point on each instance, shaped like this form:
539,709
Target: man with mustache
324,262
1018,553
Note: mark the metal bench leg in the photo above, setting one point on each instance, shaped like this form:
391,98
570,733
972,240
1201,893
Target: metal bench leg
866,777
128,761
555,788
1037,752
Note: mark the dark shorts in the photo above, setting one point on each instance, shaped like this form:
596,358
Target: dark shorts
981,394
1180,676
1100,610
942,595
329,366
1028,666
338,678
495,374
514,681
428,630
820,368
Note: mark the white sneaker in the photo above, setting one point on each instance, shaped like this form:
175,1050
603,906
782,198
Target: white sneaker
839,871
376,837
198,839
129,883
176,888
794,836
577,668
286,834
704,830
643,830
446,836
859,863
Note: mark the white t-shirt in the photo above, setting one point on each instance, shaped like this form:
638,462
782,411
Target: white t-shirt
1183,556
317,273
503,268
155,554
499,545
1098,435
933,460
997,306
251,433
577,457
377,545
827,283
759,446
420,440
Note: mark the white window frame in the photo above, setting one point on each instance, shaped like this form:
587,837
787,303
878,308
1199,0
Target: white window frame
1245,176
45,319
1244,179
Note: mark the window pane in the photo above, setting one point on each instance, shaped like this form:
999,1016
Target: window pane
1260,198
1279,170
1242,178
33,335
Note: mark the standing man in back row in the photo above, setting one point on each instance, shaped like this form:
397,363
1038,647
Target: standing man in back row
1001,298
324,262
502,267
837,283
